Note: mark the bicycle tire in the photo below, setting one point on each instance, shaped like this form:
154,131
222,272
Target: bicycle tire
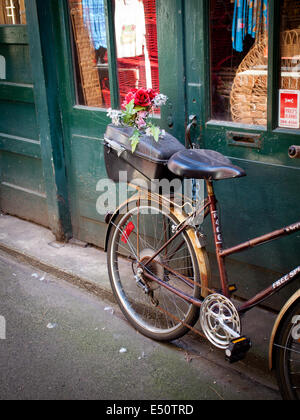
144,315
288,354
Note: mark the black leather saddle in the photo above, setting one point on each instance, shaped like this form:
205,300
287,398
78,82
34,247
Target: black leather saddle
203,163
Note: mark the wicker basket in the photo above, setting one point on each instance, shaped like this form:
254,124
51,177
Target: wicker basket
290,43
87,58
248,97
249,92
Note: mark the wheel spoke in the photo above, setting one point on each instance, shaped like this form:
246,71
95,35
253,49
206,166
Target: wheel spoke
172,312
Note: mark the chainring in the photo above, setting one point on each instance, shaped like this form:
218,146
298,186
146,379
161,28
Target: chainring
220,320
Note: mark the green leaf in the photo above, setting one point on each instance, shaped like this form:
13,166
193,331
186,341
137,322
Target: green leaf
129,115
130,107
139,108
155,133
135,139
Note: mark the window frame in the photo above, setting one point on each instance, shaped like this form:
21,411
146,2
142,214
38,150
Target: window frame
274,67
111,55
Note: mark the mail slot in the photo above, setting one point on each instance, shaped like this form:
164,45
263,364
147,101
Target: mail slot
244,139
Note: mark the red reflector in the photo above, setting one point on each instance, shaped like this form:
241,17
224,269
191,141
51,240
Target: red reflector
127,232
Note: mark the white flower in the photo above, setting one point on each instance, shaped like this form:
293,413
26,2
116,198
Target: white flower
149,132
160,100
109,113
115,116
116,121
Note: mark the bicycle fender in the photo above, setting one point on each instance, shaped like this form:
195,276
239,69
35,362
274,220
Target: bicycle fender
276,328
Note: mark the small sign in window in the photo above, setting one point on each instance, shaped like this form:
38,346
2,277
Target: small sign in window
289,108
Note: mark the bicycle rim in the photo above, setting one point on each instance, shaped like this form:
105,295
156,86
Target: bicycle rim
137,236
288,367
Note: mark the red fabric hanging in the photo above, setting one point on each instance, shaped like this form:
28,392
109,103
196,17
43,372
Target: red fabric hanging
132,72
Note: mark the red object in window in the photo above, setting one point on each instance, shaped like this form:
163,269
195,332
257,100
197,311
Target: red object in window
289,109
127,232
131,70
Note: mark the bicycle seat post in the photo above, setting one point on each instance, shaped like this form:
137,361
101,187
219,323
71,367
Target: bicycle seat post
217,236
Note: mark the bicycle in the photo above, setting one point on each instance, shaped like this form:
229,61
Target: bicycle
159,268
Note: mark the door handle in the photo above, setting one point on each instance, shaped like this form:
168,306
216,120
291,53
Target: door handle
193,122
294,152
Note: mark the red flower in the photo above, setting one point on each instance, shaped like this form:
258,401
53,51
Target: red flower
142,98
152,94
128,98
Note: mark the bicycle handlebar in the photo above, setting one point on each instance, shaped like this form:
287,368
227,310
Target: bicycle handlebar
294,152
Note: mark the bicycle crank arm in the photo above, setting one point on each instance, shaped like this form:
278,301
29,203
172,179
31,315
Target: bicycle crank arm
229,330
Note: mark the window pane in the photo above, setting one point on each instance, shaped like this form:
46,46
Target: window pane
12,12
239,60
136,43
289,113
90,52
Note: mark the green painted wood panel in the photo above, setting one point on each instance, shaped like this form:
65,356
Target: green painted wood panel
22,171
18,66
172,76
24,113
22,186
25,204
16,92
13,34
20,145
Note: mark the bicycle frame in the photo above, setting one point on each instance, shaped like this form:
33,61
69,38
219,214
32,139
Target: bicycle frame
210,208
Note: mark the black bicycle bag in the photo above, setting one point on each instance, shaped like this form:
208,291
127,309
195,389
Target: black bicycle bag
149,162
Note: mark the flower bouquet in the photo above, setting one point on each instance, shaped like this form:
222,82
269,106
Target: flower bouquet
138,107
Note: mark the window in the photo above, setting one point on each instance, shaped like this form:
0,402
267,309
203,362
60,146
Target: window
135,42
239,61
289,98
12,12
90,52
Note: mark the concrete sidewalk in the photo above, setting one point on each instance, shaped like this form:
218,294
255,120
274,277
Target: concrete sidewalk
86,267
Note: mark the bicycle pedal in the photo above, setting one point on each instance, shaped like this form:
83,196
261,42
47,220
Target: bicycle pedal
232,288
238,349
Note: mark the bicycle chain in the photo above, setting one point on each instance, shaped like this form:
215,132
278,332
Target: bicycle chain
194,330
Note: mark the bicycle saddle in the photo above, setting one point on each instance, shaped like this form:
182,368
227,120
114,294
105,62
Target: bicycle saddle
202,163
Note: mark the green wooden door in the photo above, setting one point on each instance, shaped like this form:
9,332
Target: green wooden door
22,186
85,121
268,198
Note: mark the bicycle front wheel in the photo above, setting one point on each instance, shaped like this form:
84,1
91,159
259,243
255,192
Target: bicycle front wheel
288,355
151,308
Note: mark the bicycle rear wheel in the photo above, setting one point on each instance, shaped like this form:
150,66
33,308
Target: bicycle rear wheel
151,308
288,354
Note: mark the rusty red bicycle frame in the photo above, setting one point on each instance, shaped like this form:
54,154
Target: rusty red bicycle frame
223,253
210,208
